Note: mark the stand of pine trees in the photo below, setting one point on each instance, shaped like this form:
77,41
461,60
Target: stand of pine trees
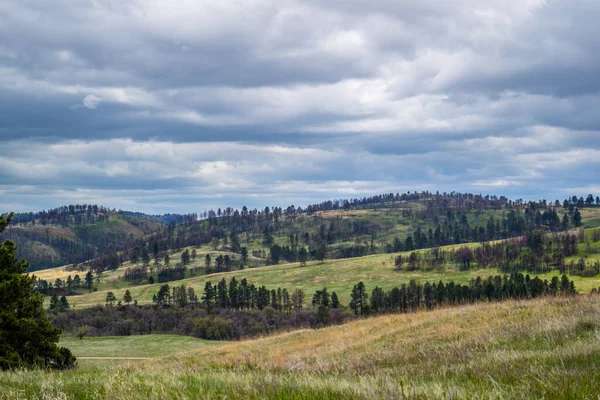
415,296
237,309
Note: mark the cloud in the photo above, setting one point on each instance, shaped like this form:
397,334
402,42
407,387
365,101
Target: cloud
226,100
90,101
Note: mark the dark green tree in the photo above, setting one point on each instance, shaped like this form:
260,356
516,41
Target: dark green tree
322,301
335,301
244,253
185,257
377,300
208,296
26,337
359,298
275,254
577,217
110,298
145,257
127,297
89,279
303,256
63,304
321,253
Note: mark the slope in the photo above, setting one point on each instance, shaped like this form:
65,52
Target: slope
46,246
547,348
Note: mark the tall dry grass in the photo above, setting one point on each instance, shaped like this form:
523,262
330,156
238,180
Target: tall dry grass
546,348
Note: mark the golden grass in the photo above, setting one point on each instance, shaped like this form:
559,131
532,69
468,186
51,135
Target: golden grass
546,348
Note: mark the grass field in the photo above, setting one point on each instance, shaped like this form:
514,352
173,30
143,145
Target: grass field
116,349
547,348
336,275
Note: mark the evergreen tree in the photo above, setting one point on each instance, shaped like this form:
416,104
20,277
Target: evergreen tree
185,257
244,253
127,297
222,295
322,301
321,253
208,297
110,298
54,303
377,300
359,298
89,279
577,218
335,301
145,257
303,256
27,338
63,304
298,299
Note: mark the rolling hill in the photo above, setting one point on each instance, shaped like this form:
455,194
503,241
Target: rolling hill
50,242
545,348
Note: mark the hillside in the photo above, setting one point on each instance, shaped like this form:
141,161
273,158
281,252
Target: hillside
340,275
545,348
329,230
74,236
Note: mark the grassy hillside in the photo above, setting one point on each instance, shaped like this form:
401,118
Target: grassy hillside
336,275
547,348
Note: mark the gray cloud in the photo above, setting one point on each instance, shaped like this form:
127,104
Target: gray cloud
149,105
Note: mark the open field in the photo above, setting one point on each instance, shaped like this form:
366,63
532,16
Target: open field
112,349
546,348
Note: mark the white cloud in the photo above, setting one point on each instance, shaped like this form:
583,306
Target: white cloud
90,101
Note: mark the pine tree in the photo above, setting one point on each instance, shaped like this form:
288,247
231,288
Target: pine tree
89,279
208,297
63,304
359,298
321,253
127,297
185,257
303,256
335,301
244,253
110,298
26,337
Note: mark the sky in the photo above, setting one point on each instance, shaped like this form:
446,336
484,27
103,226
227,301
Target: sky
160,106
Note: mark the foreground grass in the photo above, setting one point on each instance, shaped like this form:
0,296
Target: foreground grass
547,348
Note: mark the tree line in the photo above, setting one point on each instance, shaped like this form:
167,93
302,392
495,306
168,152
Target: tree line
236,309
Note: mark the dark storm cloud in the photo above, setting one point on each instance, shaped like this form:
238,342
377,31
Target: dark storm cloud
180,106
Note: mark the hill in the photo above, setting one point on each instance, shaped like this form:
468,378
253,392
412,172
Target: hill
544,348
333,229
73,234
375,270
